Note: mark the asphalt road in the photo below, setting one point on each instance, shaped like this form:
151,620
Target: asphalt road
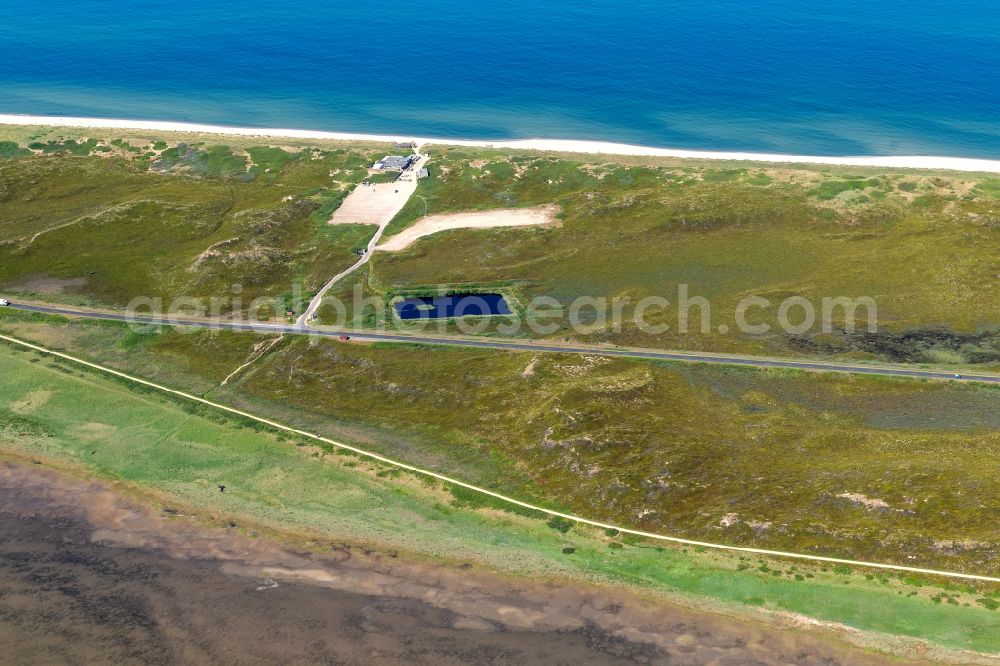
685,357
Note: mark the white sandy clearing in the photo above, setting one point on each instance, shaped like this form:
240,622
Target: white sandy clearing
511,217
559,145
374,204
378,204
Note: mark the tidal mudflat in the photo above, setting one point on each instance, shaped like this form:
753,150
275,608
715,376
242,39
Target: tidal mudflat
89,574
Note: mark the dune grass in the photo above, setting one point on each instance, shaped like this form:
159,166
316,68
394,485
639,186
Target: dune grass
853,466
863,467
178,220
923,246
128,217
56,411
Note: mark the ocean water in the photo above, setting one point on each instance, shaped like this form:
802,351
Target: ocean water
797,76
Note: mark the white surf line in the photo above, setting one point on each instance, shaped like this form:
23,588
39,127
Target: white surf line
557,145
504,498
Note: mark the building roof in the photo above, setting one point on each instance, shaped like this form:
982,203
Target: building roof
394,162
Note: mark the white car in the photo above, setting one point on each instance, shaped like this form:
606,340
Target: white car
4,302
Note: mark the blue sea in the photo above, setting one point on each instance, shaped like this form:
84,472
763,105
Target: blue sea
796,76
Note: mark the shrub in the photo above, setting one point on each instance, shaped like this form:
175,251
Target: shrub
988,604
561,524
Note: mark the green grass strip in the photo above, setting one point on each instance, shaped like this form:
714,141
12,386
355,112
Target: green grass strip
495,495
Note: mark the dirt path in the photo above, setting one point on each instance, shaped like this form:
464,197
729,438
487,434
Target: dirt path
517,217
368,204
503,498
258,351
379,203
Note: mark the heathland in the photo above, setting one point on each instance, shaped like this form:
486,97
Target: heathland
156,218
851,466
63,413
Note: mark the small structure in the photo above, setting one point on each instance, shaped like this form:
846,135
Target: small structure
423,173
394,163
404,145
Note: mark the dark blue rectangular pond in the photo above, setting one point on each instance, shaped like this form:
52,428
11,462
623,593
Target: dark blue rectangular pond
452,305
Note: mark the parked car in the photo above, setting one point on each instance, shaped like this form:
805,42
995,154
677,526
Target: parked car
343,338
4,302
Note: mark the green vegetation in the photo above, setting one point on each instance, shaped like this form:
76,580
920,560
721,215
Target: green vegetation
191,218
856,466
10,150
853,466
642,230
866,468
55,411
191,221
69,146
385,177
829,189
988,187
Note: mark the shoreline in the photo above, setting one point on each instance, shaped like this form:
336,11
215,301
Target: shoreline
357,513
968,164
470,604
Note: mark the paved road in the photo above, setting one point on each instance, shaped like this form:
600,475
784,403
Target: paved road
686,357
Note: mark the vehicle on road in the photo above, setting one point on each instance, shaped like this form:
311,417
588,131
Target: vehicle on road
343,338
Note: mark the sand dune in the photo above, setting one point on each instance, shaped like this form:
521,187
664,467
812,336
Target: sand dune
516,217
560,145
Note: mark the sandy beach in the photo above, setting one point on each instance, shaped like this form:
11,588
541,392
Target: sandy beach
556,145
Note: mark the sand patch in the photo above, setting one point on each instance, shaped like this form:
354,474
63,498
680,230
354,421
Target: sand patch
93,432
870,503
31,402
518,217
378,203
45,285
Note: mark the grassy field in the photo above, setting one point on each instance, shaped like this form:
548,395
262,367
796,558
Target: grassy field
852,466
53,410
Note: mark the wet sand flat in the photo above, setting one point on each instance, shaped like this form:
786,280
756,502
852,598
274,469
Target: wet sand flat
88,576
